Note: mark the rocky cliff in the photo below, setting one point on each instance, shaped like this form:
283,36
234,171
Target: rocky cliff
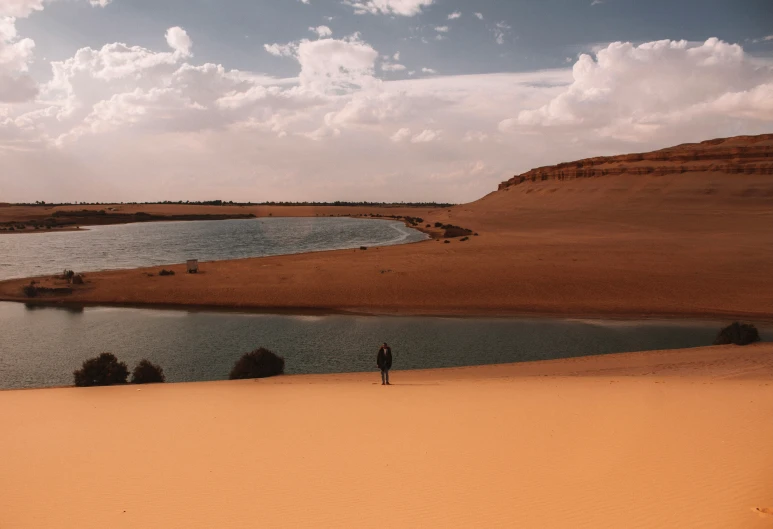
737,155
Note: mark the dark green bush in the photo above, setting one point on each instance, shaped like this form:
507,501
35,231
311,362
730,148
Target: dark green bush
738,333
165,272
147,372
259,363
104,370
30,290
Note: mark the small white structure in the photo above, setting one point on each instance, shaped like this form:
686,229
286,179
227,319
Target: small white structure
193,266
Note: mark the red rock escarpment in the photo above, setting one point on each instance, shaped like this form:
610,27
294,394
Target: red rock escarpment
737,155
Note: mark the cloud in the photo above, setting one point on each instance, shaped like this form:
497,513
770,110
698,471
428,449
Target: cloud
126,122
426,136
441,29
179,41
280,50
479,15
401,135
407,8
475,135
640,92
392,67
501,29
24,8
321,31
331,64
454,15
16,85
596,2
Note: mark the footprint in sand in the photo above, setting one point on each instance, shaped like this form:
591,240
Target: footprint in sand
765,511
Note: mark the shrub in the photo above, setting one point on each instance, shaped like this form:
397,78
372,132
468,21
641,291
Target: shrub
447,241
147,372
363,247
464,239
104,370
165,272
738,334
30,290
259,363
77,279
68,274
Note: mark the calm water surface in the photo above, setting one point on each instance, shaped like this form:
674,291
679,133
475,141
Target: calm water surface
42,346
160,243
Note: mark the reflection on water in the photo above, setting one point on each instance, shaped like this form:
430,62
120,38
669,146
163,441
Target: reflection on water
72,309
42,346
160,243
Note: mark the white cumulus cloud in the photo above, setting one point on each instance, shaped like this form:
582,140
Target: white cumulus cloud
407,8
638,92
426,136
321,31
178,40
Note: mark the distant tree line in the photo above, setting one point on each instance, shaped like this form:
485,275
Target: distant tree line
232,203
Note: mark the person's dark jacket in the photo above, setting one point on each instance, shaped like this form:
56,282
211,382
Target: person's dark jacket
384,359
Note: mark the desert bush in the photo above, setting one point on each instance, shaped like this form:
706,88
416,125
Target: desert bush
464,239
30,290
147,372
447,241
456,231
738,333
104,370
165,272
68,274
363,247
259,363
77,279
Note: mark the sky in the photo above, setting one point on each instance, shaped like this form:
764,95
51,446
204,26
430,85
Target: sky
377,100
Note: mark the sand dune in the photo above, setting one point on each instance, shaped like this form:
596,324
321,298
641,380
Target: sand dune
644,440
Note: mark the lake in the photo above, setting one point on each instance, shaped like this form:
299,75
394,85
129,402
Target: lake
41,346
160,243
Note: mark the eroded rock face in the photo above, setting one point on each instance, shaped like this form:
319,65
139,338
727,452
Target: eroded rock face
737,155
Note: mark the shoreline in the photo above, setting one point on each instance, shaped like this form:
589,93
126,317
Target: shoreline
699,317
553,367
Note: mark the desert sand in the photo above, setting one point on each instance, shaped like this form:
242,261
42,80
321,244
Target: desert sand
660,439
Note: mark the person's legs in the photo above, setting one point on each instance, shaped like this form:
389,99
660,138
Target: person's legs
386,372
383,377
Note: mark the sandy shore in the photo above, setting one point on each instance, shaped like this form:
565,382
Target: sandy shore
611,246
643,440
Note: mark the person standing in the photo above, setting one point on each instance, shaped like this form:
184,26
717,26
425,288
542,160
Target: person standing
384,363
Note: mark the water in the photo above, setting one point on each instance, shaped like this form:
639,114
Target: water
42,346
160,243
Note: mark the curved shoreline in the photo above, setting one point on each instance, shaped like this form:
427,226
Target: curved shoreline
520,313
